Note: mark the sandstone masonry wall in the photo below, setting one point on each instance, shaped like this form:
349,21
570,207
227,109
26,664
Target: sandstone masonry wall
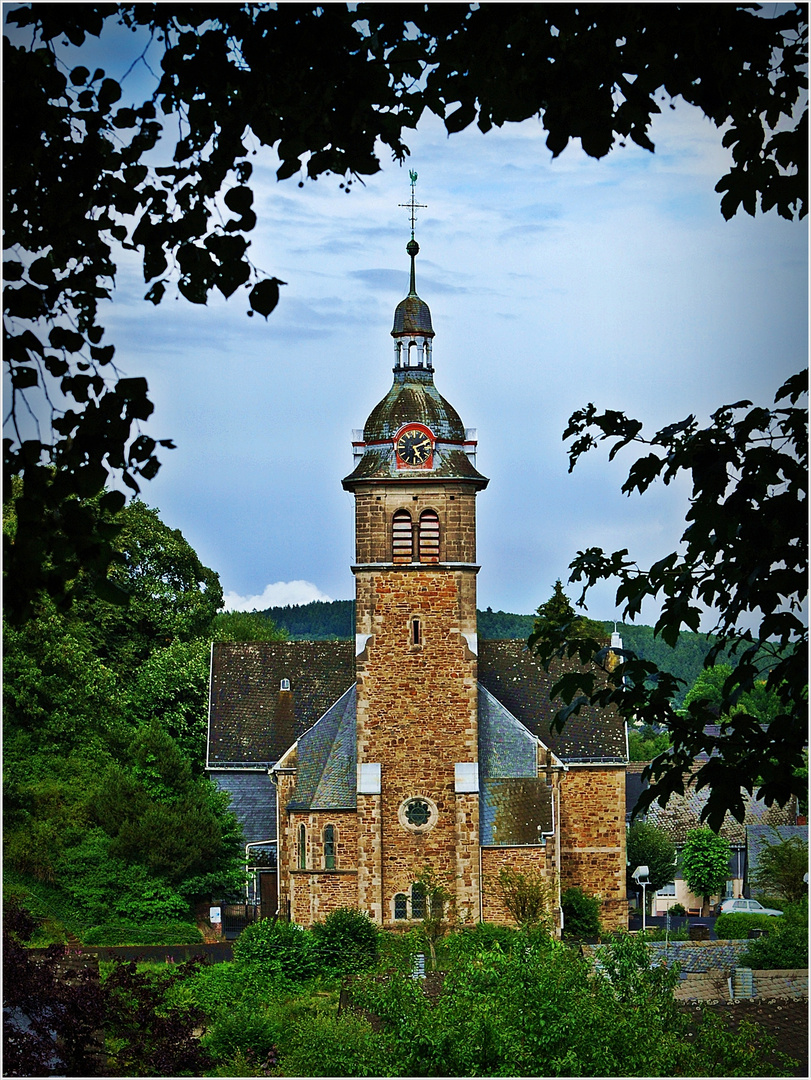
593,837
521,859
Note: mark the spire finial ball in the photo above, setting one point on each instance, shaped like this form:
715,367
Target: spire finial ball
412,248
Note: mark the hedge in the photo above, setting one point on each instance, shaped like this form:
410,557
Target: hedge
735,925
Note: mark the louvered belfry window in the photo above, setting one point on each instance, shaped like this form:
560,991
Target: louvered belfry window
429,536
402,537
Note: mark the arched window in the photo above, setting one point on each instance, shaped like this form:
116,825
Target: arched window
302,847
401,906
417,901
429,536
329,847
402,537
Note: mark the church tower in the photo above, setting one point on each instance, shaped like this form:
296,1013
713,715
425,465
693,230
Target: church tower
415,484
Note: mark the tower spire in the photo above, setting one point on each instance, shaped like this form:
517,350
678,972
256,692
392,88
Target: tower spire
412,247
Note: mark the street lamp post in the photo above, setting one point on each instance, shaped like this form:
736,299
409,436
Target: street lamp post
641,877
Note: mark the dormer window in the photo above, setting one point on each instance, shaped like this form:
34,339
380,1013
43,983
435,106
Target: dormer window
429,537
284,684
402,542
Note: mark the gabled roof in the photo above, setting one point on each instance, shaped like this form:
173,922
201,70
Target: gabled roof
518,680
326,776
249,721
683,812
244,727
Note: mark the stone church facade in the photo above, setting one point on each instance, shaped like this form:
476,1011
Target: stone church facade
420,750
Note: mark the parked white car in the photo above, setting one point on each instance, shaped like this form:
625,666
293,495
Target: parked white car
748,907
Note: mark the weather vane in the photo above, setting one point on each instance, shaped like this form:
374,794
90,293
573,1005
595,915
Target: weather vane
413,206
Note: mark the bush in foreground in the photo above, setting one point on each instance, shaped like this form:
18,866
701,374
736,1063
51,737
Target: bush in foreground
346,941
581,914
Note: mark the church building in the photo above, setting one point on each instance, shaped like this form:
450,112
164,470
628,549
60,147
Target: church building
421,751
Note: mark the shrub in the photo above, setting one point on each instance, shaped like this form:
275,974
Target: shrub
481,938
529,896
735,925
346,941
249,1030
324,1045
581,914
280,947
677,909
785,947
145,933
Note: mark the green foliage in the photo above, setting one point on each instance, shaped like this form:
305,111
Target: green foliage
744,555
781,867
143,933
346,941
320,620
281,948
581,914
248,626
677,909
705,863
482,937
735,925
542,1010
648,845
251,1030
556,619
785,946
645,744
529,896
626,963
324,1045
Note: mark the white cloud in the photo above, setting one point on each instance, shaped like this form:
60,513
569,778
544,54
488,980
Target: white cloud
279,594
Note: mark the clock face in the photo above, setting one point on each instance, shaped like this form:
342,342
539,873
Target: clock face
414,447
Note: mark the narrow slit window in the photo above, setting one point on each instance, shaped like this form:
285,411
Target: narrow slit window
416,632
429,536
402,537
302,847
401,906
329,847
417,901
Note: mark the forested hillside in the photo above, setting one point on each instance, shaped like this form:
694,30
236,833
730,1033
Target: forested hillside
110,827
322,620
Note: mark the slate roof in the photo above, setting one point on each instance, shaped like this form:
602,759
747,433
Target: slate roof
326,760
253,800
683,813
244,704
518,680
757,836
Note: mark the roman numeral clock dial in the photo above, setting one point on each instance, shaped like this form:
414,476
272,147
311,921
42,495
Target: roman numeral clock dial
415,448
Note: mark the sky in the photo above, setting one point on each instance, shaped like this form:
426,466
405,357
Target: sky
551,283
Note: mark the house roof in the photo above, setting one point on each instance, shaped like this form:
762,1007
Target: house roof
253,800
683,812
247,721
249,725
758,836
520,682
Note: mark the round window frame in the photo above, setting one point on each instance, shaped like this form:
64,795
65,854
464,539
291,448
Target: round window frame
433,814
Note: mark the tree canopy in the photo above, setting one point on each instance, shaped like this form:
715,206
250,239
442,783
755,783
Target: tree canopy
743,559
90,173
704,864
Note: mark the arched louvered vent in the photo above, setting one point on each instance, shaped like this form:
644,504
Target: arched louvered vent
429,536
402,537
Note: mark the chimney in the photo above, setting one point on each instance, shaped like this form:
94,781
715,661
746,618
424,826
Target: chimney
284,721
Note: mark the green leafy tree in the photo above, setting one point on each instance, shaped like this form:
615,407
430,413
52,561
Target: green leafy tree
246,626
529,896
704,864
581,913
744,556
782,868
90,172
556,618
648,845
644,744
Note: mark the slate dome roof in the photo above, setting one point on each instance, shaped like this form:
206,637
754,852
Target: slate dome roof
413,398
412,316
